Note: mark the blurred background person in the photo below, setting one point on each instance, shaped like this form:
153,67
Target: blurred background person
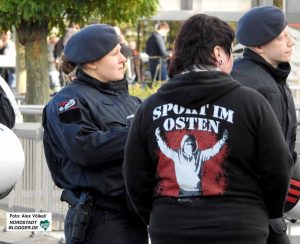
61,43
8,48
55,83
125,50
157,52
59,47
136,63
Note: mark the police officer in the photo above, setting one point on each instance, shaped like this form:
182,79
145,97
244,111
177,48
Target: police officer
85,130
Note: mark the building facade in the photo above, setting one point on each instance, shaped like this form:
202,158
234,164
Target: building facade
229,10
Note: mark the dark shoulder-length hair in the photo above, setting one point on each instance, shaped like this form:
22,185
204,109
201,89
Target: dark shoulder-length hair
196,40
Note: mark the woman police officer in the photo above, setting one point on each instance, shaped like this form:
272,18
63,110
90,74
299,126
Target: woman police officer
86,126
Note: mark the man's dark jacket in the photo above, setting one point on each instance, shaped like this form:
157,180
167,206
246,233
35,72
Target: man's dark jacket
155,45
253,71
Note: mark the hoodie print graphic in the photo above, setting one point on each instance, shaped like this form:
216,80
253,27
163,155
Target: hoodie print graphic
191,161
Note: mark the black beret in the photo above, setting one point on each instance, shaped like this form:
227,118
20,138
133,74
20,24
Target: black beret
91,43
260,25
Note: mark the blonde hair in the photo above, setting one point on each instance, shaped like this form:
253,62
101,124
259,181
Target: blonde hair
163,25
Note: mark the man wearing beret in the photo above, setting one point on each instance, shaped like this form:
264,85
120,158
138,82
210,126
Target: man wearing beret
85,130
265,67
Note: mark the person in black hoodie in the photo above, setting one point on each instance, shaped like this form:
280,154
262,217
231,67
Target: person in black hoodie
85,130
241,184
265,68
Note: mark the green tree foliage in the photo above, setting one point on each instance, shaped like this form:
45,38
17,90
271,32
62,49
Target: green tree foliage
278,3
33,19
143,91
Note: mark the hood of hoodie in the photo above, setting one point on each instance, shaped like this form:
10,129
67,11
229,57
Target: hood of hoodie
197,88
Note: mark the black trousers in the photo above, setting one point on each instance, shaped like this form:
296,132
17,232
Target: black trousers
110,227
211,222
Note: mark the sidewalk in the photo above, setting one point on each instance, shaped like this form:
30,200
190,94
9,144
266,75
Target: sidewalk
27,238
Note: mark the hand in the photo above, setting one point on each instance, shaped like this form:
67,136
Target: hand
225,135
157,132
204,156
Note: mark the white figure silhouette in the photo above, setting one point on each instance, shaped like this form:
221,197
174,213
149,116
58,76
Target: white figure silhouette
189,159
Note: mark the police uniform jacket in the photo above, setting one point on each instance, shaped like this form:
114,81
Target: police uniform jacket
253,71
85,130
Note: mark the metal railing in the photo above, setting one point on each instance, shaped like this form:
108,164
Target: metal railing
31,109
38,109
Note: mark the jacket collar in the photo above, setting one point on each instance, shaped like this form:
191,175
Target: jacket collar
113,87
280,73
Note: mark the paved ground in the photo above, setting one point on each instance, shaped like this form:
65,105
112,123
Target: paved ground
26,238
295,239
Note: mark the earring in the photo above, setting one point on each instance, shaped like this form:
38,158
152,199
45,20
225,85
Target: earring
220,62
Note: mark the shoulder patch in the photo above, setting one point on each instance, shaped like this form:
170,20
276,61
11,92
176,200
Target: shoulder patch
69,111
68,105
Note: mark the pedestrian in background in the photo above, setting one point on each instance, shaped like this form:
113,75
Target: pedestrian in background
158,54
136,63
61,43
205,159
265,68
85,130
54,79
8,49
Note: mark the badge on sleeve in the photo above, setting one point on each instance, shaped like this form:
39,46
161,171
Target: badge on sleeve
69,111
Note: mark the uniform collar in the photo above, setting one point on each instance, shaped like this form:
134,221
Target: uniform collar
280,73
113,87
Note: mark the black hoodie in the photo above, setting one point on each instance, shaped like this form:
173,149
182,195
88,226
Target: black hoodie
204,135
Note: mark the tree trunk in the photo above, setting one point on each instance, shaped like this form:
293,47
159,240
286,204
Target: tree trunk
20,68
36,57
